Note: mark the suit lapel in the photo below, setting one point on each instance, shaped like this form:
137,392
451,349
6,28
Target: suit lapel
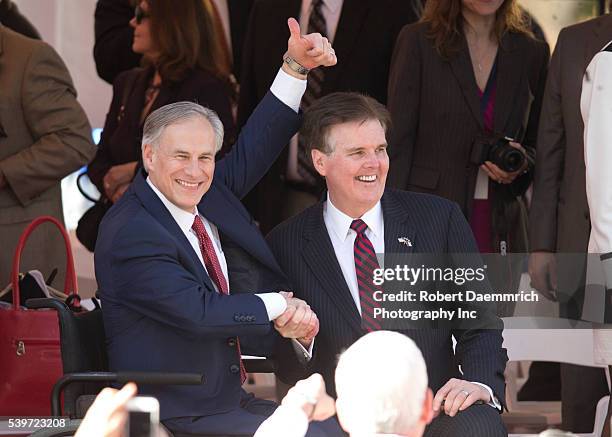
510,74
156,208
232,222
400,235
319,255
461,66
352,18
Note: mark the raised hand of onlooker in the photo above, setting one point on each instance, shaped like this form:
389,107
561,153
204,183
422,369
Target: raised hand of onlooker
107,415
298,321
310,396
310,51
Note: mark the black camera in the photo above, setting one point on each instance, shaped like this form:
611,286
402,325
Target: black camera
499,152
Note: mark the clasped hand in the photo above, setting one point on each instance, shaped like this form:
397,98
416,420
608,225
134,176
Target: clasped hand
298,321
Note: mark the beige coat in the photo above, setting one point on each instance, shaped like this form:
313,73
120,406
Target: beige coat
44,136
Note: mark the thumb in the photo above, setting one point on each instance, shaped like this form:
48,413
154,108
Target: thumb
294,29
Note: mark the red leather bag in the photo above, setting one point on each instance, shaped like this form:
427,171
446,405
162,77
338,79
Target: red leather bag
30,358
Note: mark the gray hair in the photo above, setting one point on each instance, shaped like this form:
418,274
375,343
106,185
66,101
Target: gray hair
174,113
389,401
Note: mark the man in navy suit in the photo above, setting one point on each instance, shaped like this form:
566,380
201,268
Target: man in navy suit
178,258
328,251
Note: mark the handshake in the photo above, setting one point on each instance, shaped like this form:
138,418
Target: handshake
298,321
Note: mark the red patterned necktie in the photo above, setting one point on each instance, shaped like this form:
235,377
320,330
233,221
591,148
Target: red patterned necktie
365,263
213,267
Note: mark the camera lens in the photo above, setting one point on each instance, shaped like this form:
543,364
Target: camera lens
506,157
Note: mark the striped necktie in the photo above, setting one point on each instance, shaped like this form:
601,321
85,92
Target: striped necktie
365,263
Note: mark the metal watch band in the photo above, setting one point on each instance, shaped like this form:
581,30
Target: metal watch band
295,65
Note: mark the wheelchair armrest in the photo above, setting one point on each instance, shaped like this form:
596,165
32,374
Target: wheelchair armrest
120,377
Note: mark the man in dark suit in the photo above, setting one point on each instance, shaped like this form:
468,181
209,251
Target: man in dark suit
171,257
113,49
559,216
324,253
363,33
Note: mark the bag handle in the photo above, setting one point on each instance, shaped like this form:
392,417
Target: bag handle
70,283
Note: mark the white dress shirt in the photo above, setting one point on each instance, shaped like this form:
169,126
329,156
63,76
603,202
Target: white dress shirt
331,10
338,226
343,237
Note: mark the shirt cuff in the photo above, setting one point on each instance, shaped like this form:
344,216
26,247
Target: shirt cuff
288,89
275,304
304,355
494,401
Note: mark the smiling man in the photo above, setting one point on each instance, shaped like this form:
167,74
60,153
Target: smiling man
329,251
178,258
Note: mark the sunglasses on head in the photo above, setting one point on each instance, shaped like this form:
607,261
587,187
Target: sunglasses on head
140,14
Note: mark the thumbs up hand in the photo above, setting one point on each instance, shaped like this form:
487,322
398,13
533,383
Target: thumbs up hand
310,51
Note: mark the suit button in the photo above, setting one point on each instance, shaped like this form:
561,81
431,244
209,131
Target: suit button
234,368
231,342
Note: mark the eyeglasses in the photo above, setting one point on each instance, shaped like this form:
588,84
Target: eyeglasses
140,14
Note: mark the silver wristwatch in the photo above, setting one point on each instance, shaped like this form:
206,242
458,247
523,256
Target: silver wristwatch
295,65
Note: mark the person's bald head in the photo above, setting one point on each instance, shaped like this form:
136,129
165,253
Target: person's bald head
381,383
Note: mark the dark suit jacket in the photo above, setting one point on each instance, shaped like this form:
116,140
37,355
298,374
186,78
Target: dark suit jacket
113,49
363,42
305,253
436,113
559,212
161,312
122,134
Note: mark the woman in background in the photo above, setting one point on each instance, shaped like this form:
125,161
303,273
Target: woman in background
183,60
465,94
468,75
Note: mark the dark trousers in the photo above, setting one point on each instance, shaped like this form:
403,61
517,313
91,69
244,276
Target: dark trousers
476,421
243,421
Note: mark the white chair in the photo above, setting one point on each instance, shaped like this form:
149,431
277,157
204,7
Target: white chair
555,340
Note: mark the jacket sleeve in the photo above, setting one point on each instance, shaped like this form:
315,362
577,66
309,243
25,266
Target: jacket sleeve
58,124
102,162
529,142
153,283
550,156
403,103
